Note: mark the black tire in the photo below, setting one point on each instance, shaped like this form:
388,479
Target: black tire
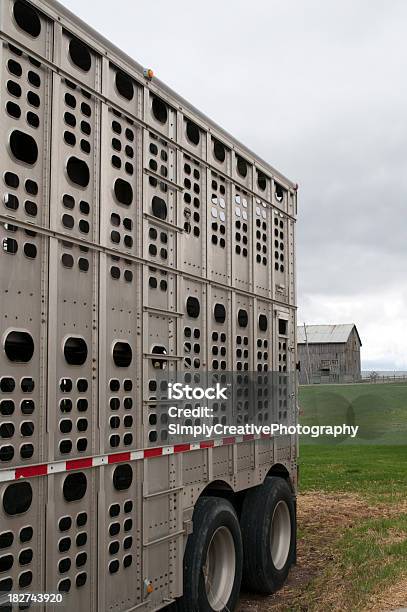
212,515
260,573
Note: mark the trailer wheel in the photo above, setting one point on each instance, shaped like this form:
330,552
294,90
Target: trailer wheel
213,559
268,524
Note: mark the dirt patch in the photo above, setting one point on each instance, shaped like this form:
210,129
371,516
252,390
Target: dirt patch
393,598
322,519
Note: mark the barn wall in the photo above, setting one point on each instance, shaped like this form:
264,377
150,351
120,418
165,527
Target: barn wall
330,362
353,356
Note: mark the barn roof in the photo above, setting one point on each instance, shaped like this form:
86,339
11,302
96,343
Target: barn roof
326,334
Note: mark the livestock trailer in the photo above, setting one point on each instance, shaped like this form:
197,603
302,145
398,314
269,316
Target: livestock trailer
137,238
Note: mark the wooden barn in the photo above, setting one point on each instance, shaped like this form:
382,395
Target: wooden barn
329,353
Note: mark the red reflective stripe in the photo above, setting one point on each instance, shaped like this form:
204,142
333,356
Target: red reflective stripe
77,464
181,448
153,452
33,470
118,458
208,444
88,462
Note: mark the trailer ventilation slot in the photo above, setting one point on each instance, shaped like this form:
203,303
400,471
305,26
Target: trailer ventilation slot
159,208
80,54
279,192
23,147
78,171
263,322
219,151
75,486
27,18
193,132
124,85
219,313
159,363
75,351
122,354
123,192
17,498
122,477
241,166
242,318
282,327
193,307
159,109
19,346
261,181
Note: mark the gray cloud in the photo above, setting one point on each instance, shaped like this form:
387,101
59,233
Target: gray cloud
318,88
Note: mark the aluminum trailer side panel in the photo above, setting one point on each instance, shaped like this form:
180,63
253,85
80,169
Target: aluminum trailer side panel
119,202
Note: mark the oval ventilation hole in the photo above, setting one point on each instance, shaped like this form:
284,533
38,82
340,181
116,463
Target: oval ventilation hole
261,181
67,260
17,498
19,346
159,109
75,486
27,18
25,557
193,132
78,171
26,534
7,385
122,354
122,477
123,192
279,192
6,585
193,307
241,165
13,110
25,579
124,85
219,151
14,68
263,322
64,585
10,245
6,563
11,180
30,208
30,250
219,313
80,54
159,207
6,539
11,201
242,318
14,89
23,147
75,351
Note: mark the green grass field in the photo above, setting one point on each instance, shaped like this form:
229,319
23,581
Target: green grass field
371,554
380,411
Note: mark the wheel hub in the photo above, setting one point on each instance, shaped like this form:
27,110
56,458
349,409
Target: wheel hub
219,568
280,535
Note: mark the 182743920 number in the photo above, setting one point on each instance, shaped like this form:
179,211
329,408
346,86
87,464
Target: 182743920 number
34,598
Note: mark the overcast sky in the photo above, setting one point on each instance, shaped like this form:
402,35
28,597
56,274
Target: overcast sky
325,82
